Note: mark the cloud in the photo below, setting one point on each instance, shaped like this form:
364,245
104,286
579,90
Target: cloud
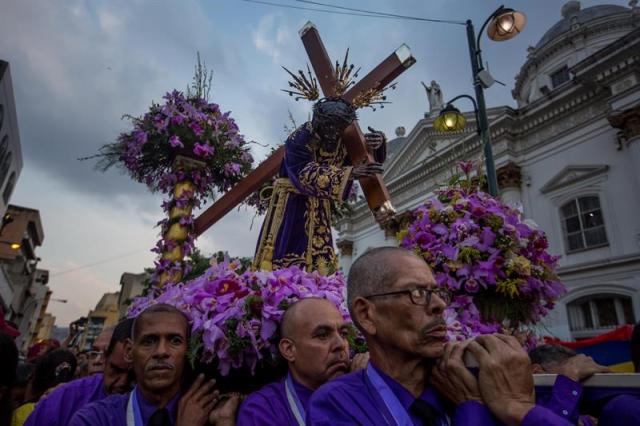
78,67
274,37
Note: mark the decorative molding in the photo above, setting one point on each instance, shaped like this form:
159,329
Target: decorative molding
628,121
572,174
397,223
345,247
509,176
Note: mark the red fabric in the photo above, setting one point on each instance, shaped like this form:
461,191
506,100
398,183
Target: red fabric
620,333
42,348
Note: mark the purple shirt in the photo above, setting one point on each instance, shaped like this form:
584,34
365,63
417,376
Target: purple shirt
59,406
563,399
112,411
351,399
269,405
610,405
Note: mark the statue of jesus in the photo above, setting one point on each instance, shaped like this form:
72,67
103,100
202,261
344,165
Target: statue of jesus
315,173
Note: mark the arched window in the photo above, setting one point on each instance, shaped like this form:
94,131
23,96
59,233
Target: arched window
4,168
591,315
6,194
582,224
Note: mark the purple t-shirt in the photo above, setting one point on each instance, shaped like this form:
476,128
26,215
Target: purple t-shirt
269,406
59,406
112,411
352,399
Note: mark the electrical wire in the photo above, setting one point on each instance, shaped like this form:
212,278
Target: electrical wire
100,262
352,11
385,14
334,12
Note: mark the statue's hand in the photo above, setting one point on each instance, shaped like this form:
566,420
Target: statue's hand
374,139
364,170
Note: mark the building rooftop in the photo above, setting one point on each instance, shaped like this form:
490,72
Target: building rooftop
572,13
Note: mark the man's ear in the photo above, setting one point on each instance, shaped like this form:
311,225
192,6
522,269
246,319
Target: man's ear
128,351
537,369
287,349
364,313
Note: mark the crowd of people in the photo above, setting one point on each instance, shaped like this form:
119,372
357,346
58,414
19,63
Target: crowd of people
138,372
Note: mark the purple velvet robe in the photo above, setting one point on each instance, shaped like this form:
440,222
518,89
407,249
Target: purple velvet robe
59,406
297,226
351,399
269,406
112,411
610,405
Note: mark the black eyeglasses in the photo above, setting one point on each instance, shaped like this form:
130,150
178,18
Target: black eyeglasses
420,296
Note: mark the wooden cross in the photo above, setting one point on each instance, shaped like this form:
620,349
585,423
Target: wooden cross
373,187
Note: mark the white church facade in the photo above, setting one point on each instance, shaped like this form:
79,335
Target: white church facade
568,156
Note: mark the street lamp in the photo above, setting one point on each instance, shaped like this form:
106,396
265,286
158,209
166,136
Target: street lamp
503,24
506,24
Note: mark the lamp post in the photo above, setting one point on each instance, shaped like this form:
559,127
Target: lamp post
504,24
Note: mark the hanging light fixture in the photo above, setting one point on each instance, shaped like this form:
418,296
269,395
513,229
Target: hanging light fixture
449,120
507,24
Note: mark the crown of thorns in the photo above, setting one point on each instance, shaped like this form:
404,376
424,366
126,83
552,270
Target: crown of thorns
305,86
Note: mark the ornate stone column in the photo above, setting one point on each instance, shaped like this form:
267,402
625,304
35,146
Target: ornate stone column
628,123
346,254
510,182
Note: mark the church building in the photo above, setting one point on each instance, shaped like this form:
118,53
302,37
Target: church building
568,156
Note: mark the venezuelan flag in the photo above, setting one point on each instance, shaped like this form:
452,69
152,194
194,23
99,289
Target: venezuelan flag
612,349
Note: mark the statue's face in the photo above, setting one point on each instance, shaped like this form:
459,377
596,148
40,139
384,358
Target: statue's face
331,130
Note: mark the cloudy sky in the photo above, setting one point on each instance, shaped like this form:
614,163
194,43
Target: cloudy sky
78,66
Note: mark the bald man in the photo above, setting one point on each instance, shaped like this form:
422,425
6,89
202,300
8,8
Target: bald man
314,344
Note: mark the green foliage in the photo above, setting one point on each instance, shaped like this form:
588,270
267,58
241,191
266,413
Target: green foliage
200,88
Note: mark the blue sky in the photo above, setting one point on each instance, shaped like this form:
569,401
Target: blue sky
78,66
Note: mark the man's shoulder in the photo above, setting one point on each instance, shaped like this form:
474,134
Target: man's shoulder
265,406
267,392
103,412
79,386
343,385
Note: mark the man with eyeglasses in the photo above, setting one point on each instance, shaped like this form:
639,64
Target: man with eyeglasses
314,344
61,404
95,356
394,301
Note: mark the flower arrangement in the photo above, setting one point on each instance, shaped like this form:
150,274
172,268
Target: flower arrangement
191,127
495,263
185,148
234,315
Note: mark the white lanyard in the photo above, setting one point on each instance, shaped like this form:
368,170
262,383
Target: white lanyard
134,417
294,402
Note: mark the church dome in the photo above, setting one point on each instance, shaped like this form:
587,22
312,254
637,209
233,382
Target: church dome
580,33
572,15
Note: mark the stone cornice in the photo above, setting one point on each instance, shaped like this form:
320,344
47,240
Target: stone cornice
563,271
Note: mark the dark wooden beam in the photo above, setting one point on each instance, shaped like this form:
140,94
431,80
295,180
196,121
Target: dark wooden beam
378,78
319,58
247,186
